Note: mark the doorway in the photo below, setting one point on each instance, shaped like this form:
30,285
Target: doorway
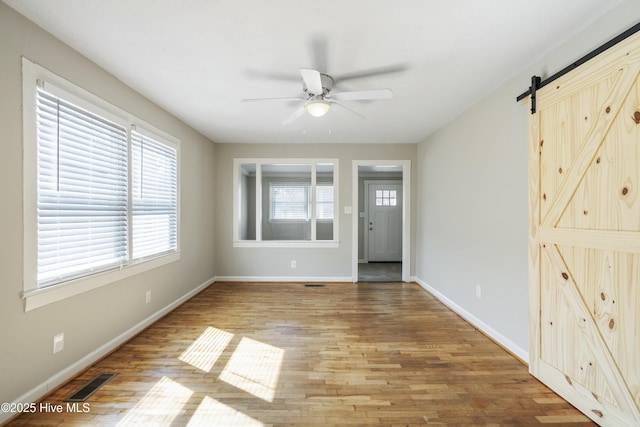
383,220
381,203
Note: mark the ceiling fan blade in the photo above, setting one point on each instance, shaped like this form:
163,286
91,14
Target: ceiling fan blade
312,80
390,69
320,53
295,116
361,95
272,99
272,75
348,109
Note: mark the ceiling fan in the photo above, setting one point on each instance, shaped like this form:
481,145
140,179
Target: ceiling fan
318,97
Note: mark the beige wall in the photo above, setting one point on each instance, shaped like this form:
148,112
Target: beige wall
472,198
92,319
275,262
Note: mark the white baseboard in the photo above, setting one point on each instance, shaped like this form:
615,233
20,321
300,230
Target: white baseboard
295,279
70,371
473,320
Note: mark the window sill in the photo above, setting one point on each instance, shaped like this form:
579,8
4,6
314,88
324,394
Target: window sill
286,244
37,298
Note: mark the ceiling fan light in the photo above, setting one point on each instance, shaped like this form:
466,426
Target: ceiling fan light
318,108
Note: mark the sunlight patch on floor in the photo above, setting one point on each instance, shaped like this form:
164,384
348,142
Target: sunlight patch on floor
205,351
212,412
255,368
160,406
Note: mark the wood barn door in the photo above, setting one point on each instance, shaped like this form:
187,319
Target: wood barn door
584,236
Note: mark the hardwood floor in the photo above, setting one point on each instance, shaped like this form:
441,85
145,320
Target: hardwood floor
254,354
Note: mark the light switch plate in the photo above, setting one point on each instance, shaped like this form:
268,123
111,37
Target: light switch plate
58,343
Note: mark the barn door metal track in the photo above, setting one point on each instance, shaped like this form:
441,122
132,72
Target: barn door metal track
537,82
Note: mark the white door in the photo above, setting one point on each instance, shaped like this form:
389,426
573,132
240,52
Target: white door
385,222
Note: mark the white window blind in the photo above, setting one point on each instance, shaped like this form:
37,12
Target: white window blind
82,191
324,202
293,201
154,196
289,201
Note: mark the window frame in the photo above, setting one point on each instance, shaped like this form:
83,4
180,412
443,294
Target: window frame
34,296
258,242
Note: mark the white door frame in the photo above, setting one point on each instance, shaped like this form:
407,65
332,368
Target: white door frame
406,214
367,182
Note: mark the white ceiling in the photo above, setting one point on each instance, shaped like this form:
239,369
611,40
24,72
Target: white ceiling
198,58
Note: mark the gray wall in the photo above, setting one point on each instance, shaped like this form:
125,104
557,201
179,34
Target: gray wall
275,262
472,198
93,318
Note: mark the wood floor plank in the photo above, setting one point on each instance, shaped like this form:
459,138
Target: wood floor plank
259,354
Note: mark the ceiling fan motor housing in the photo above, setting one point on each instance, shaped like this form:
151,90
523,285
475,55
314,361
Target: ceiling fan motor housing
327,85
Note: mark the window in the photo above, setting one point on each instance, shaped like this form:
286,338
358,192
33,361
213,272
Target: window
324,202
289,202
101,192
293,202
386,198
285,202
82,191
83,220
154,194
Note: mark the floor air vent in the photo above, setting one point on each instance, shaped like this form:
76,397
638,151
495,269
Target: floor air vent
314,285
91,387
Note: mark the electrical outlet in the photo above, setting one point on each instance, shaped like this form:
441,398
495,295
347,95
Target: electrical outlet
58,343
478,291
293,264
148,297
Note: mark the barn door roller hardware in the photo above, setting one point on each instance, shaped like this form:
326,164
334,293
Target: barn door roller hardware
537,83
